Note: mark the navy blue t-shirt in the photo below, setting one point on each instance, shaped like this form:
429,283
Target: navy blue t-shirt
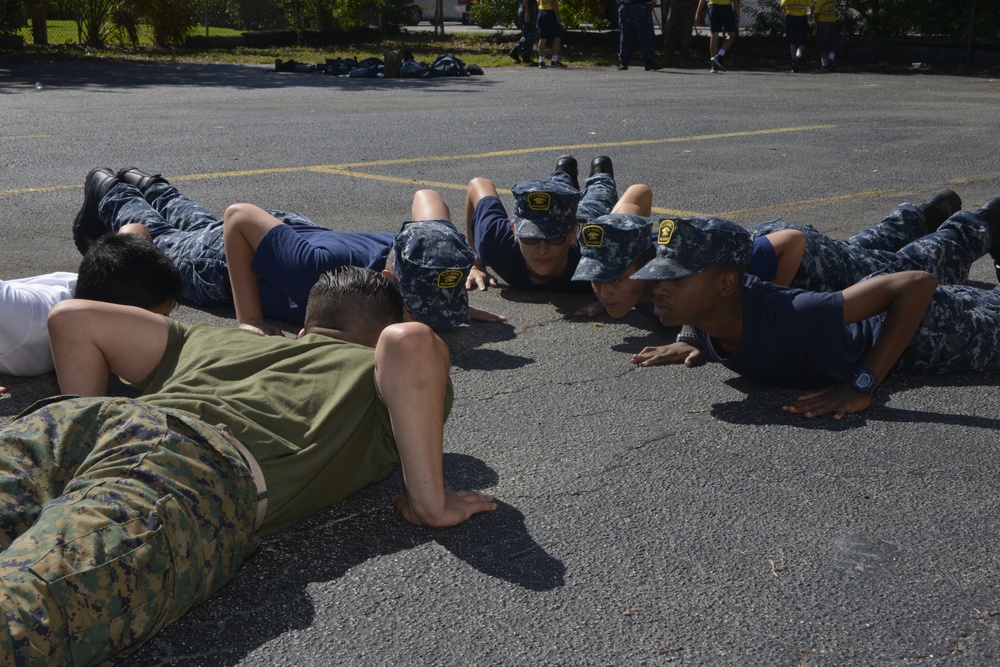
292,257
496,246
763,259
793,338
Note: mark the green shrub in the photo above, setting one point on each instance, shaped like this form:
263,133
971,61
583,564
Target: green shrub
494,13
12,18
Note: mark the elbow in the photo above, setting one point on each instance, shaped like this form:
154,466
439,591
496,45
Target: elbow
235,215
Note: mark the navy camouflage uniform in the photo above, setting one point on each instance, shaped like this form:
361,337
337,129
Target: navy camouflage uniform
182,228
598,197
959,333
192,237
526,44
431,261
899,242
116,517
635,19
610,244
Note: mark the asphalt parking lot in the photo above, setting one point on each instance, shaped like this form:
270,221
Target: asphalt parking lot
647,516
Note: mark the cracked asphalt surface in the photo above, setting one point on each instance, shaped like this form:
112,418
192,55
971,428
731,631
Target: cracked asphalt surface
647,516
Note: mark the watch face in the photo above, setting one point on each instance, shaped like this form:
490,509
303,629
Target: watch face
864,380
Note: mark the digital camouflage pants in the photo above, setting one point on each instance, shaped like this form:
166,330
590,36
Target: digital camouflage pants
899,242
116,517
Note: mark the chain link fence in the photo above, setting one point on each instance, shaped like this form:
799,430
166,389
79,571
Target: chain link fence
127,22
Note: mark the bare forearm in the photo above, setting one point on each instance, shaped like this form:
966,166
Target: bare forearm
246,288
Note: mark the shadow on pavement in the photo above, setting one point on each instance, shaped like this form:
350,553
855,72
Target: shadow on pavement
269,595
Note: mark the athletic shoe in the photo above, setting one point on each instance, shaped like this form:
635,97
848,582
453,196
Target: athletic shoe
795,64
560,64
717,63
542,65
515,55
139,178
602,165
622,68
88,226
940,207
567,164
653,67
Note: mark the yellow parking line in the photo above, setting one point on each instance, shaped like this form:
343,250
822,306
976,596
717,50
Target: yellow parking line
346,169
786,207
607,144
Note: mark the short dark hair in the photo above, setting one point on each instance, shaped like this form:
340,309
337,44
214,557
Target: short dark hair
129,270
354,300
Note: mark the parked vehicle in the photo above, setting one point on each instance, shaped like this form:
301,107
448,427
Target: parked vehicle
453,10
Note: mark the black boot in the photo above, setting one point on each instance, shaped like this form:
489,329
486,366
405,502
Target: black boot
941,206
87,226
139,178
567,164
602,165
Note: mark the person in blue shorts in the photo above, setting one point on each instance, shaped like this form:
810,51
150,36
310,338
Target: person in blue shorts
723,19
842,345
796,28
536,248
549,32
293,257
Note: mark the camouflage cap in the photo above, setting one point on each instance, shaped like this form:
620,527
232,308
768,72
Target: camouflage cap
687,246
431,261
609,244
544,209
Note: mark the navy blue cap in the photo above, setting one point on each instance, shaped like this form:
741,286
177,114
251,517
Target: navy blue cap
686,246
431,261
609,244
544,209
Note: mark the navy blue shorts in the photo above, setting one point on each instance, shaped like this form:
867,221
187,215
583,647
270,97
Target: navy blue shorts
548,26
797,28
722,18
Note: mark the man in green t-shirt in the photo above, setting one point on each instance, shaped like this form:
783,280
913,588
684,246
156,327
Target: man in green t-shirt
119,515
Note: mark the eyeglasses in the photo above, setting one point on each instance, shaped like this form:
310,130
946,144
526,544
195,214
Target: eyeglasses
559,240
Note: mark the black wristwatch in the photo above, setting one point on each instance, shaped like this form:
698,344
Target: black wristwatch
865,382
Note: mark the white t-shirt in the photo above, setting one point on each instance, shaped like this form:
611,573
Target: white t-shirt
24,305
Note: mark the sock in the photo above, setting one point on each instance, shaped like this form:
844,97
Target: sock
541,59
722,52
823,62
555,59
831,56
798,53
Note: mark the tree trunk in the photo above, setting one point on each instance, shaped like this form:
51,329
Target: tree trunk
39,13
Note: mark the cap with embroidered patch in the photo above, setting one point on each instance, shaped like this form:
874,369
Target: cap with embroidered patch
686,246
609,244
431,261
544,209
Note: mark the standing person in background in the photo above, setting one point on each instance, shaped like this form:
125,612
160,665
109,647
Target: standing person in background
549,30
723,18
796,28
677,31
635,19
825,15
527,11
